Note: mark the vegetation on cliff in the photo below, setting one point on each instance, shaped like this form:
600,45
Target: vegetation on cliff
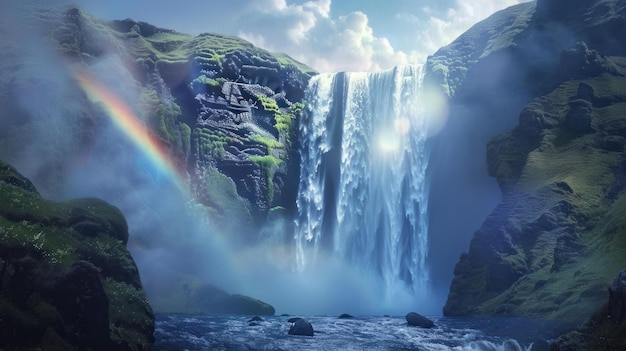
66,278
556,240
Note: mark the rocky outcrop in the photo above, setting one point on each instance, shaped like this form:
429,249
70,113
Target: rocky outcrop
188,295
211,299
550,245
66,279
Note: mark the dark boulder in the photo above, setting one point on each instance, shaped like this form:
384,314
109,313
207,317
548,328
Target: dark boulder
345,316
301,327
255,319
617,298
417,320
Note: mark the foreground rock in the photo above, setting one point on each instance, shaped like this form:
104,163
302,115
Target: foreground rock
417,320
67,281
301,327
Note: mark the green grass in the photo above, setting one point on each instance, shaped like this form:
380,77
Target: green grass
558,167
210,142
268,164
268,142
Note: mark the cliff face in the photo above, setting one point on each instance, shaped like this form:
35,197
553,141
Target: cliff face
66,279
226,111
558,236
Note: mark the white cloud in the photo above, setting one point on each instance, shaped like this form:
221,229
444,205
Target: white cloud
440,30
309,33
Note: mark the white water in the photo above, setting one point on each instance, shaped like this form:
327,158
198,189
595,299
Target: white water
363,193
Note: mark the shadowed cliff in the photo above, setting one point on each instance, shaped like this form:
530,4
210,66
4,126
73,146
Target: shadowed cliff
552,74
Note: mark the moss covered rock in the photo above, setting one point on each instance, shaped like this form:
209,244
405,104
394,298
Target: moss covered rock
66,278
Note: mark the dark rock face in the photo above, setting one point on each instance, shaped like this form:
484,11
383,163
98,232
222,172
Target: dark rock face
417,320
301,327
83,306
617,298
66,279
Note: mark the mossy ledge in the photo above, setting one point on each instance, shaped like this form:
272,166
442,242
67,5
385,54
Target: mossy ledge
67,281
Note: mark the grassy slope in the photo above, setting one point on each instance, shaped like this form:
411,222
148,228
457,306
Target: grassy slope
564,167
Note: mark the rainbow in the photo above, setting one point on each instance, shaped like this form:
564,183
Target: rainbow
124,118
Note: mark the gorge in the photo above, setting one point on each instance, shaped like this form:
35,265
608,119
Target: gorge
488,181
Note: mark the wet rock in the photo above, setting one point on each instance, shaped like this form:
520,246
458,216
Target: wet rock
417,320
617,298
301,327
293,319
345,316
255,319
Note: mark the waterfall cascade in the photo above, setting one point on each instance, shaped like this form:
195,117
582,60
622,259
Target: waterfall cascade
363,193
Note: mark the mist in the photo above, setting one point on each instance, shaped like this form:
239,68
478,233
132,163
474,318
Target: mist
69,147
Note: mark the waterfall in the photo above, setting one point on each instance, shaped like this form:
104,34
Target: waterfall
363,193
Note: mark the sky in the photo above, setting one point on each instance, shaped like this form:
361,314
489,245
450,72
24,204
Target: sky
328,35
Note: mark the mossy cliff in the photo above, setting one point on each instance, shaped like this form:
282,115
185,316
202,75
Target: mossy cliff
216,103
557,238
67,281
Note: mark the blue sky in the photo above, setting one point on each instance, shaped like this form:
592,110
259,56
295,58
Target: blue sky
328,35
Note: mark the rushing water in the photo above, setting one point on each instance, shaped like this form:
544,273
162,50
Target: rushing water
363,191
196,332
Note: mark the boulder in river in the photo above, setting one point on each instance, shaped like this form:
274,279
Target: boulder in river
301,327
417,320
345,316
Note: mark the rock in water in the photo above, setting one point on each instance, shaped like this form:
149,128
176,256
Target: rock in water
293,319
418,320
345,316
255,319
617,298
301,327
